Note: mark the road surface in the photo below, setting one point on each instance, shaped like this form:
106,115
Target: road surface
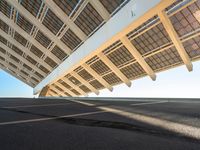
69,124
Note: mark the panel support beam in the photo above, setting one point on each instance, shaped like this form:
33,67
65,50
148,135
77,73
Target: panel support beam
109,33
44,91
175,39
57,10
100,9
20,67
9,50
97,77
131,48
89,86
10,39
28,37
114,69
38,24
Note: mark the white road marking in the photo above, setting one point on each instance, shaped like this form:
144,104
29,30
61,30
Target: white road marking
187,102
81,102
149,103
183,129
43,105
50,118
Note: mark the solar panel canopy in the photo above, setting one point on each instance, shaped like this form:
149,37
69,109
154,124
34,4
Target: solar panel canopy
45,43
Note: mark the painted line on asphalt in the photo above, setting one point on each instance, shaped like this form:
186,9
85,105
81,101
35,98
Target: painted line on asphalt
149,103
50,118
81,102
186,102
43,105
179,128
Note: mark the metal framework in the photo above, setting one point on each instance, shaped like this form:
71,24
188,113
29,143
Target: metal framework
38,38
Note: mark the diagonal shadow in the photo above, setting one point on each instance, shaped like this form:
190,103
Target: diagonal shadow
110,124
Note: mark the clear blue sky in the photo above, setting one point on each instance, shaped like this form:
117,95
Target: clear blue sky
177,82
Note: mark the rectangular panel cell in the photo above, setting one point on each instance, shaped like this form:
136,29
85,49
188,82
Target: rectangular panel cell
84,88
112,79
85,75
4,26
14,58
164,59
52,22
42,39
23,23
3,40
25,73
192,47
45,70
59,53
187,20
70,39
152,39
89,19
75,92
100,67
11,64
20,39
50,62
111,5
17,50
5,8
74,80
33,6
96,84
2,50
133,71
36,51
120,56
64,84
27,67
31,60
39,75
67,6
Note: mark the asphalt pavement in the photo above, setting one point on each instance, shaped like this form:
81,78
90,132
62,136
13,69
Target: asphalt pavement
76,124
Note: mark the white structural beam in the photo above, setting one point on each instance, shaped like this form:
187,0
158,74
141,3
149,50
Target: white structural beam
28,37
65,89
88,85
39,24
175,39
115,69
9,50
24,49
100,9
74,86
131,48
115,28
56,9
97,77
